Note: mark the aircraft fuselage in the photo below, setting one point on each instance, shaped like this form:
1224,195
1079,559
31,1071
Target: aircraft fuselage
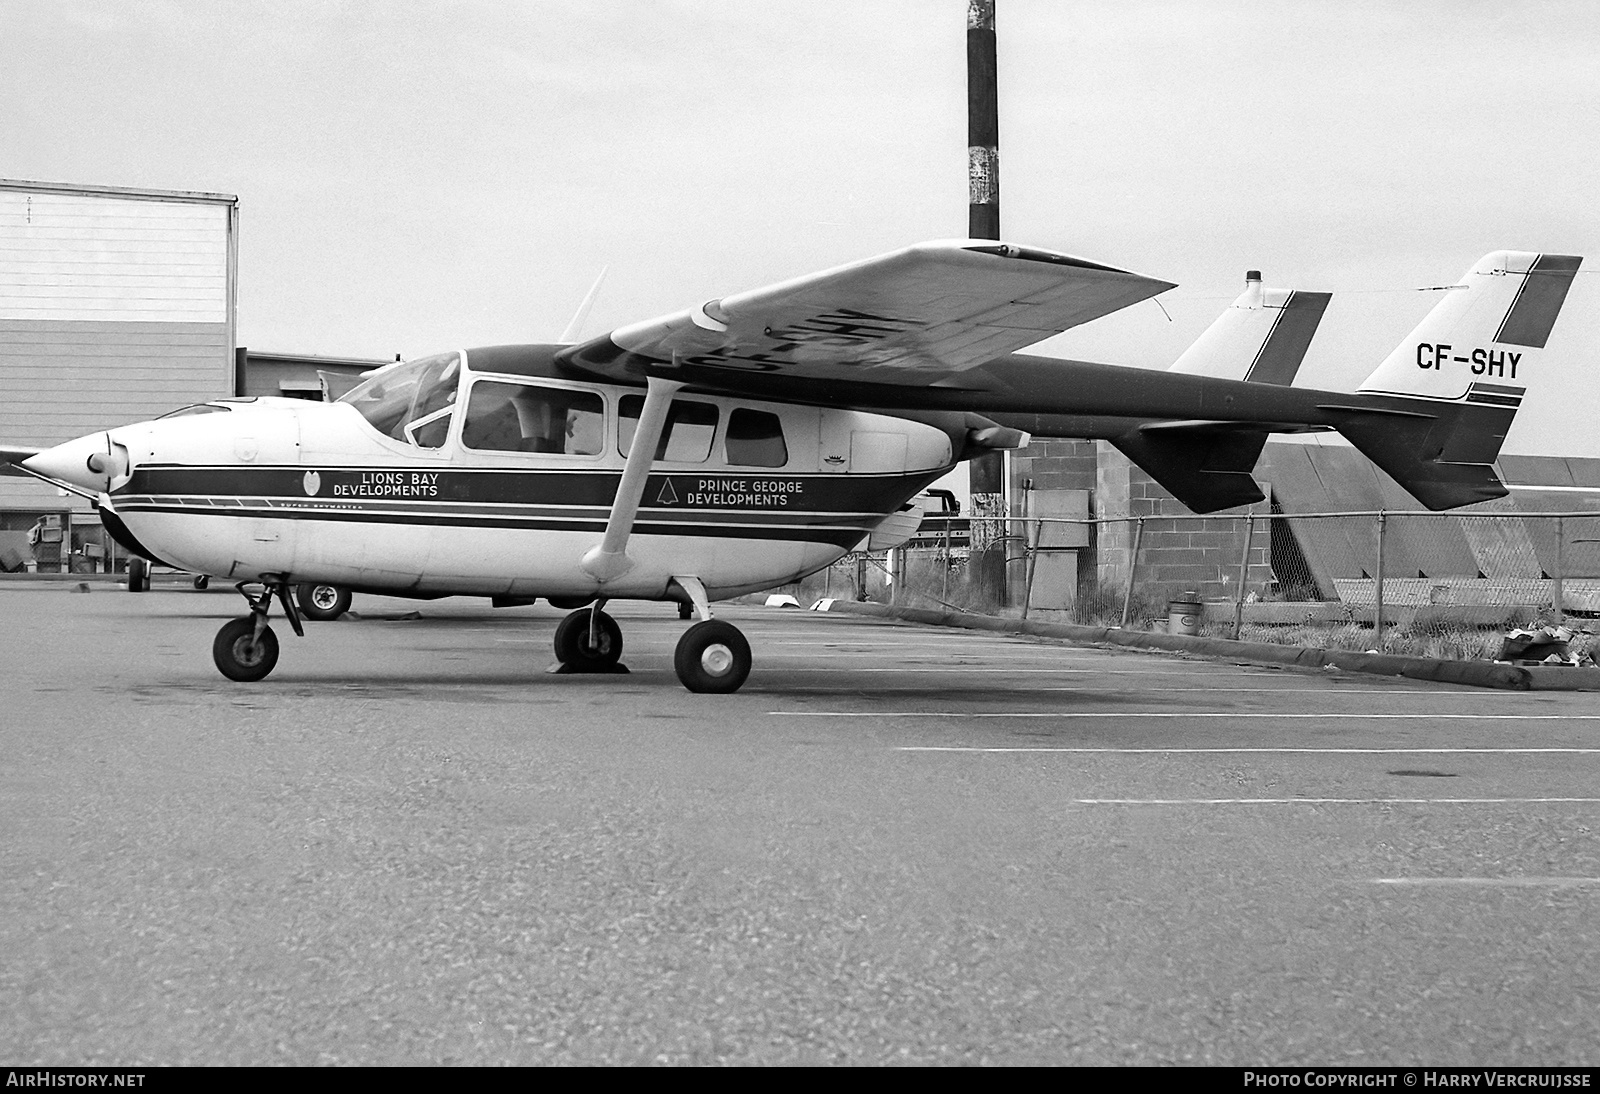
494,477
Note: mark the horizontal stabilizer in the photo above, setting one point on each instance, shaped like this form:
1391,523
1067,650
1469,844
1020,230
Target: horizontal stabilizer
1205,466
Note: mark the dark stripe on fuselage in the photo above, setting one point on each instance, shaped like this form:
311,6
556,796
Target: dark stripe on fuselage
835,536
690,492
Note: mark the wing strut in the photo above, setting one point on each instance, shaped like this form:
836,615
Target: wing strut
609,559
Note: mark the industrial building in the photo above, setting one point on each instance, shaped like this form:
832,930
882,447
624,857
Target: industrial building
116,305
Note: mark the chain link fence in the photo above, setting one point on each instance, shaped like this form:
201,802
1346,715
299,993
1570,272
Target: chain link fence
1373,572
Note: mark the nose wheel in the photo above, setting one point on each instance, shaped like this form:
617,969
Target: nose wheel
243,654
245,649
712,657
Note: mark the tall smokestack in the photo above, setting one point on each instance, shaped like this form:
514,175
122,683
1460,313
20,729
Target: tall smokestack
986,567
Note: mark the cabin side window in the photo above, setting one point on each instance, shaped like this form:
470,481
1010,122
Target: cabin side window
690,429
506,417
755,439
412,403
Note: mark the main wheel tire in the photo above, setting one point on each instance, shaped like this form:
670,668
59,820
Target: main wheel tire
713,657
321,602
200,582
138,575
573,647
240,655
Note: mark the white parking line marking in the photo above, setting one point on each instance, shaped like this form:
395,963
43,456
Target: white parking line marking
1338,801
1220,670
1495,882
1404,693
1307,751
1192,689
1175,714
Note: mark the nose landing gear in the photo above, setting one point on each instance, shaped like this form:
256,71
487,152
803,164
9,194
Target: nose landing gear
245,649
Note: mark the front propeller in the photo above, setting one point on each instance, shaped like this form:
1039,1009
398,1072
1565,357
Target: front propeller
112,463
92,463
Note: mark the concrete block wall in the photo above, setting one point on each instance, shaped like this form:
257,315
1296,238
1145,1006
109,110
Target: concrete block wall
1175,556
1055,465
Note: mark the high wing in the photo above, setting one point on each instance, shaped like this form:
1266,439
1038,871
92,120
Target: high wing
912,317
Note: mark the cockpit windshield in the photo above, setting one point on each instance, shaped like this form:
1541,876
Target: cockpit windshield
196,408
413,402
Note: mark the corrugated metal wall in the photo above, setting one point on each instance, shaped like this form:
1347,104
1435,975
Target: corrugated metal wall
115,306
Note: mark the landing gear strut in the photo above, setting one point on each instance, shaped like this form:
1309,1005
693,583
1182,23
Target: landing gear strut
245,649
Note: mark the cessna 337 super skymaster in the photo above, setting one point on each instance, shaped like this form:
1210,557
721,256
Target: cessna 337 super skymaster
752,440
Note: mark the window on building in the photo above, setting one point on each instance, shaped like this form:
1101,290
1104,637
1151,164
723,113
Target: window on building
506,417
690,428
755,439
411,403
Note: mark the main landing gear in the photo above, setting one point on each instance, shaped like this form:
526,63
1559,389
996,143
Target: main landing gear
589,640
712,656
245,649
322,602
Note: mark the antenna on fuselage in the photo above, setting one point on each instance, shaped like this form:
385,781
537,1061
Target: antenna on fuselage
570,335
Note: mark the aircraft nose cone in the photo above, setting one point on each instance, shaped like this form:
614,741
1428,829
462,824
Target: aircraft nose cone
90,462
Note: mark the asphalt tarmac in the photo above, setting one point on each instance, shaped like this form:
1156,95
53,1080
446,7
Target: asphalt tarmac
897,844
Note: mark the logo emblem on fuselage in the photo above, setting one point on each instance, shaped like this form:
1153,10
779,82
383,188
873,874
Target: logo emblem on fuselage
313,483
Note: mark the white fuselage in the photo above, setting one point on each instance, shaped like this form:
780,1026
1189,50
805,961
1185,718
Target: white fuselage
746,495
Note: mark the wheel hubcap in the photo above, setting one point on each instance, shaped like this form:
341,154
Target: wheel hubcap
717,659
324,597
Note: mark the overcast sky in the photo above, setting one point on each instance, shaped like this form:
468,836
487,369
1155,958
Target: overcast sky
417,176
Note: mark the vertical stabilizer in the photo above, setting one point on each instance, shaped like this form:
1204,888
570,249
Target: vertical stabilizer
1262,336
1480,344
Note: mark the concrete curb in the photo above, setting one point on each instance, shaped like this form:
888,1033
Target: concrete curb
1483,674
